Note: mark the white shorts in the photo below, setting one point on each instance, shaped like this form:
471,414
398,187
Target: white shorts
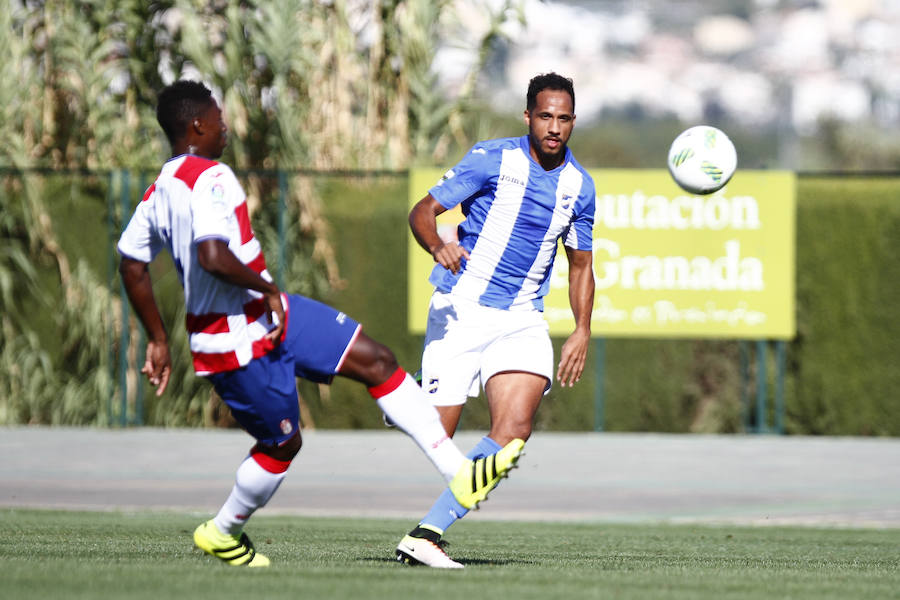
467,343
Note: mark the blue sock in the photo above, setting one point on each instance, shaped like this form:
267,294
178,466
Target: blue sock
446,511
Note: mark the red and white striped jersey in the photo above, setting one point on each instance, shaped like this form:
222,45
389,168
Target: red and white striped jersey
195,199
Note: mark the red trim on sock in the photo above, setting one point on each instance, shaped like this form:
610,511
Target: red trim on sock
392,383
272,465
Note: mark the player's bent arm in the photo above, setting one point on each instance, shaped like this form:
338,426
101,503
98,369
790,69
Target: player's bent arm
423,223
215,257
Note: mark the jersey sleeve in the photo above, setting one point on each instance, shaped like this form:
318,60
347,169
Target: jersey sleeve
216,195
139,239
465,179
581,231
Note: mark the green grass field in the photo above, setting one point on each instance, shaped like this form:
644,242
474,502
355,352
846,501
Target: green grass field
149,555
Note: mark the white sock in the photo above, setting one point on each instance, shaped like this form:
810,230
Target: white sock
408,407
253,487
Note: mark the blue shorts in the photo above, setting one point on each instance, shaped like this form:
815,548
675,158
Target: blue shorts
262,395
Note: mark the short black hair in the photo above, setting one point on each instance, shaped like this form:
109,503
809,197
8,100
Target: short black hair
179,104
548,81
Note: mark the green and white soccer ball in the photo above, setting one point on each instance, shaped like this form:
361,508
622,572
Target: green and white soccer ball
702,159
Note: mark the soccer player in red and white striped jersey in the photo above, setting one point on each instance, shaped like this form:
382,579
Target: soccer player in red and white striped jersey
250,339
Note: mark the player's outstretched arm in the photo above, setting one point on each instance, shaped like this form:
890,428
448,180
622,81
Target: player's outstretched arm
139,287
422,222
581,297
215,257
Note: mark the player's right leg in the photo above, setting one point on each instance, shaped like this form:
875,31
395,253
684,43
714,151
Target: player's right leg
234,550
263,398
256,481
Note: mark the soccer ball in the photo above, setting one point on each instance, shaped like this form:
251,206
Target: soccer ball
702,159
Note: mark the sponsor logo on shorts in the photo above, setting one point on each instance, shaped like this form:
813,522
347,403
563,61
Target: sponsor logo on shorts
432,385
286,426
341,318
440,441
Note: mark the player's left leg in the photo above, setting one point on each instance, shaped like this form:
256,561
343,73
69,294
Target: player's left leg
423,545
513,399
517,367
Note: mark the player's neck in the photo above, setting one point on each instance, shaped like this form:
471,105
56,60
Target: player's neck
183,148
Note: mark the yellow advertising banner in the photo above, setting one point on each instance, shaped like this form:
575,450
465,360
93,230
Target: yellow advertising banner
667,263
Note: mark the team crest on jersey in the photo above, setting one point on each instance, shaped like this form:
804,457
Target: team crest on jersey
218,201
565,201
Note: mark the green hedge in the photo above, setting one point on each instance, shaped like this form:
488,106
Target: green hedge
844,362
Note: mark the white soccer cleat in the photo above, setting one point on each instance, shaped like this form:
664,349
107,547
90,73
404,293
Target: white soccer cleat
421,551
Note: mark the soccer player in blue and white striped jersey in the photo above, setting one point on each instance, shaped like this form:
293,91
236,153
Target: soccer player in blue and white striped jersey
485,325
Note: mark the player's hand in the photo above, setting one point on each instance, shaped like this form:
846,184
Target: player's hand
450,256
158,365
573,357
276,308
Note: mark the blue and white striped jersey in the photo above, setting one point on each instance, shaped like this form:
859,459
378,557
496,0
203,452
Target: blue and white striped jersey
515,212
